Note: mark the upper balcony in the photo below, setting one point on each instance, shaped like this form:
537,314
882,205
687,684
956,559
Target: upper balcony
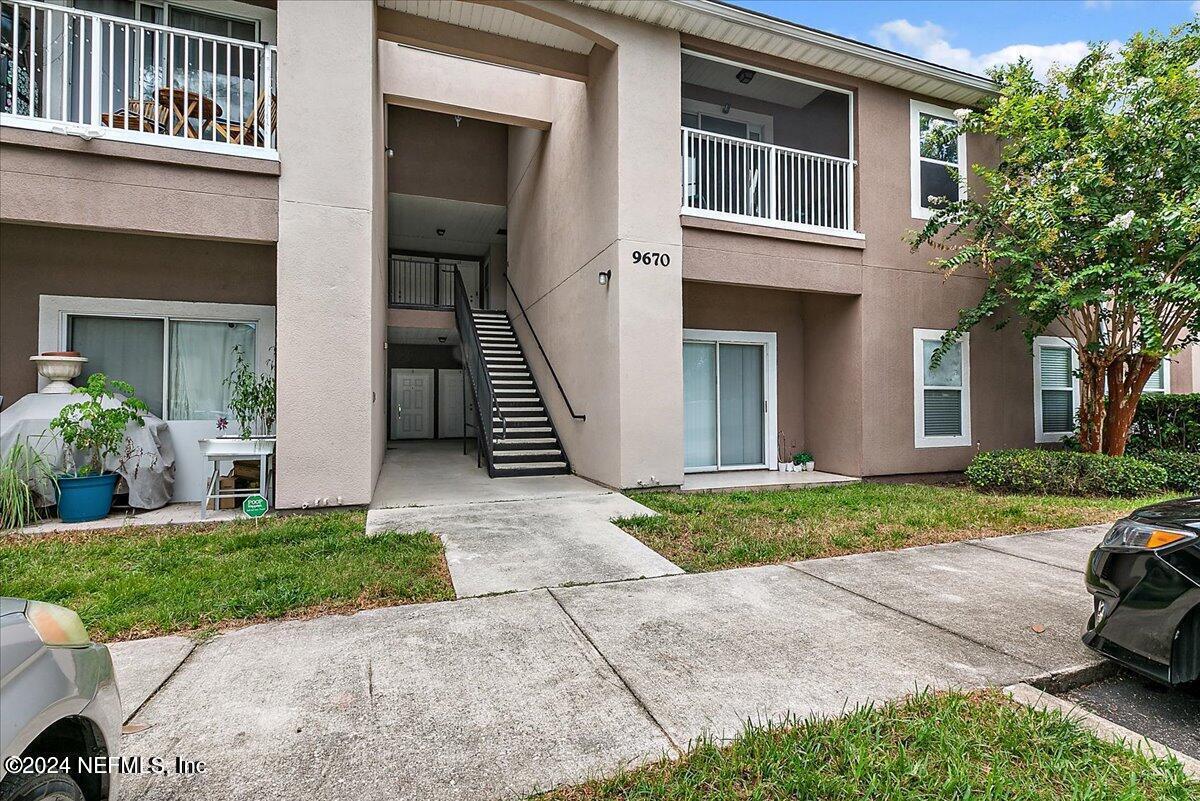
94,75
765,149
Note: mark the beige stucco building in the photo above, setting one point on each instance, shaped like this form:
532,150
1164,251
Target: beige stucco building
644,239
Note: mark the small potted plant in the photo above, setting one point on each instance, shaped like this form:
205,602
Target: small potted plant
95,427
802,461
784,447
252,406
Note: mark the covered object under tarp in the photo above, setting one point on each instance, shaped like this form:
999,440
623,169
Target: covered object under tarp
148,474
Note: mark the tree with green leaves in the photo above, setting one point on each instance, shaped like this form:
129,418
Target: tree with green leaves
1090,222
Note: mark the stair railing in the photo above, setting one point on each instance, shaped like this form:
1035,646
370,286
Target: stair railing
476,372
545,357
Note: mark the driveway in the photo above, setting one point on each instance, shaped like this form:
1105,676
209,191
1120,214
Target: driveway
498,696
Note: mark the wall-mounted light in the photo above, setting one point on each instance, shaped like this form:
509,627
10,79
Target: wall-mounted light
725,108
441,232
604,277
457,121
745,76
441,340
389,152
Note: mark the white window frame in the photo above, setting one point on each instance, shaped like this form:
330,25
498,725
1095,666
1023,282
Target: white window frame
767,339
1039,435
55,312
916,109
1166,373
920,440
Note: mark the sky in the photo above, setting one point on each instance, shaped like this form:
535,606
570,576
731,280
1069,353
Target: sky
973,35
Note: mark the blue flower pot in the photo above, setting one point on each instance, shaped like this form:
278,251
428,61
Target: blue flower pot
84,498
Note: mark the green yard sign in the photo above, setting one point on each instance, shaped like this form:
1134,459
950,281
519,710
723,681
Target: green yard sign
254,506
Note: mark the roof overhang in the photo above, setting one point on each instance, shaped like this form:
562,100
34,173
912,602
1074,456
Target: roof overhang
738,27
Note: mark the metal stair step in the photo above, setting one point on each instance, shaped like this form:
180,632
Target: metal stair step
536,468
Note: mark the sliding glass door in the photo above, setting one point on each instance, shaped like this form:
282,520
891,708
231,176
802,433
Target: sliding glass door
725,405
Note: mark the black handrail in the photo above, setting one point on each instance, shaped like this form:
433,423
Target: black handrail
476,371
538,340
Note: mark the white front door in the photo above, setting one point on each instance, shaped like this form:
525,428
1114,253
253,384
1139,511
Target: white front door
412,404
450,403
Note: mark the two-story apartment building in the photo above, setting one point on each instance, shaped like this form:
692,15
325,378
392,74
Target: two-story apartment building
631,240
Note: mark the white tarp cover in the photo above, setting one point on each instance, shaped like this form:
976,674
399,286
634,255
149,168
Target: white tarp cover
149,476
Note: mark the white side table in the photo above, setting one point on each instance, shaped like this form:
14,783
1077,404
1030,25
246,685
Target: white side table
218,450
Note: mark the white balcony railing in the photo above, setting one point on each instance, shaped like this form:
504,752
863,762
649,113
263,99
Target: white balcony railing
736,179
100,76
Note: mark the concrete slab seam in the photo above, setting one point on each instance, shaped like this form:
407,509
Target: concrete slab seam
1099,725
940,628
984,546
195,647
628,688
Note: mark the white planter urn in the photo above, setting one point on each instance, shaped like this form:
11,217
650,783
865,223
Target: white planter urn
58,370
783,466
810,466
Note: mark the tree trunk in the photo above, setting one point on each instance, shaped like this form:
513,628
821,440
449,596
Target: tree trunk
1126,379
1091,402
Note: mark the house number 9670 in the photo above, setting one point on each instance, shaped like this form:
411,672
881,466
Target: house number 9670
652,258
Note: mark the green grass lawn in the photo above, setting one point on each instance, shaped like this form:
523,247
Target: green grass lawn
136,582
931,747
711,531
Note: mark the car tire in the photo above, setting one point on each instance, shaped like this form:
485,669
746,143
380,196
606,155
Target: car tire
40,787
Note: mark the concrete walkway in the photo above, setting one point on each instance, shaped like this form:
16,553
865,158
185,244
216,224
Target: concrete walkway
496,697
504,535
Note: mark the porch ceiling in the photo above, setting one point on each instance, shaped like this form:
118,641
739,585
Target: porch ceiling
493,19
470,228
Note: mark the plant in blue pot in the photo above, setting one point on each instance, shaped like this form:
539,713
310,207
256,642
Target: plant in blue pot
94,427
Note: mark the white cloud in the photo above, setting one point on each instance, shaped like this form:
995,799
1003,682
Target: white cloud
931,42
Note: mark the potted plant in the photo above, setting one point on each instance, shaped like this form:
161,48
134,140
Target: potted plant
95,427
785,466
803,461
252,406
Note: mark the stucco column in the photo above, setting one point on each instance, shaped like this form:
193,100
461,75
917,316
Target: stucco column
329,295
648,277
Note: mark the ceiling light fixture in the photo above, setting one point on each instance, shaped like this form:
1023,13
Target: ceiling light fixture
725,108
745,75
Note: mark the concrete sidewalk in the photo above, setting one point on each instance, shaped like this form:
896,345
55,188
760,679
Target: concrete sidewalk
499,696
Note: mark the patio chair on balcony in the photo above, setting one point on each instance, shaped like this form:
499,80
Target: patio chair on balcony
251,131
138,115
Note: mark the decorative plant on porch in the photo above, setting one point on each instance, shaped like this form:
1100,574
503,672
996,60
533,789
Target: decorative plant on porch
96,427
1091,219
252,396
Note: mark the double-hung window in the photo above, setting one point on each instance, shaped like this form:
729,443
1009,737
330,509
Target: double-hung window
942,396
934,160
1055,388
1159,382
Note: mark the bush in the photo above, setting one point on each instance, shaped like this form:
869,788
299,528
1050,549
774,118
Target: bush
1046,472
1183,469
1166,422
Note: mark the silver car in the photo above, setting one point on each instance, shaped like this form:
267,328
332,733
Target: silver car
60,715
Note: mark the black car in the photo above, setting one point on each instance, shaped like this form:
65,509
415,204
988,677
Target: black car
1145,582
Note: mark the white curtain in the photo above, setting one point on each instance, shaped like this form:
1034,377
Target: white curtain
202,357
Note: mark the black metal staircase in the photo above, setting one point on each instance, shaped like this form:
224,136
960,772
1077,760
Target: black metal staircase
514,432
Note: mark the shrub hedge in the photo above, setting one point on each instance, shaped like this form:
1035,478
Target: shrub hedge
1047,472
1166,422
1183,469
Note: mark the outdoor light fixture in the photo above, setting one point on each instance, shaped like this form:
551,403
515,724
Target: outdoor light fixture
457,121
604,276
745,75
725,108
389,152
441,232
441,340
